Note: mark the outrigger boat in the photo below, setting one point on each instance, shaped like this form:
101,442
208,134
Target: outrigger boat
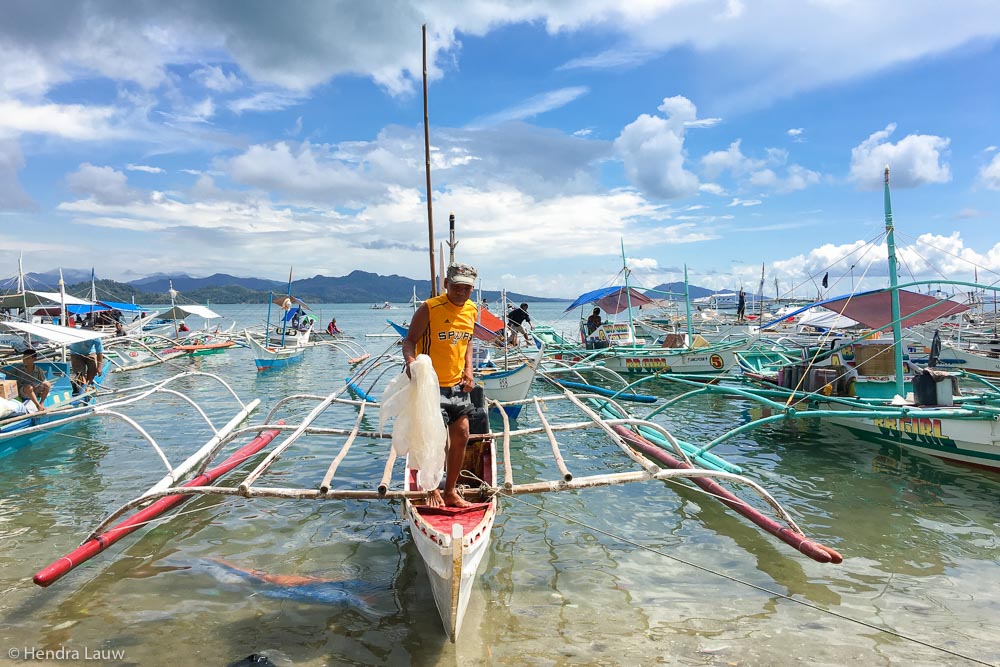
451,542
868,387
286,344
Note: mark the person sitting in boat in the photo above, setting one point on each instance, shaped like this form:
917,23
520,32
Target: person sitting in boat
119,329
442,328
183,328
594,321
515,320
331,328
32,384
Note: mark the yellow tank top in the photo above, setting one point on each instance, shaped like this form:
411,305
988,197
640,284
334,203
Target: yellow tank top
447,337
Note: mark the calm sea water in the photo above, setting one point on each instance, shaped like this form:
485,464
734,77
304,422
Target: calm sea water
920,540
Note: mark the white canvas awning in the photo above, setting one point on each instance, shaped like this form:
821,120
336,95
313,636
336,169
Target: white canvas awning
54,333
180,312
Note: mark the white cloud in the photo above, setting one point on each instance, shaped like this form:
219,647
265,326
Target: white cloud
215,78
797,134
533,106
145,168
104,185
70,121
642,263
755,173
304,170
611,59
652,150
989,175
744,202
265,101
917,159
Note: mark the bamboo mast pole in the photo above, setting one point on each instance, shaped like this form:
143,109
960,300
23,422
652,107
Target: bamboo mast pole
897,334
427,169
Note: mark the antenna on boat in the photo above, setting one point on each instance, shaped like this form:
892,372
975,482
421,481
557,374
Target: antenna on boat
451,239
427,169
897,334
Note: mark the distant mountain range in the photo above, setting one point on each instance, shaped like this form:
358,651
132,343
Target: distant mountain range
356,287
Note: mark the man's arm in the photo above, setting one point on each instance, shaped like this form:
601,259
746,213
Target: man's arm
468,382
418,326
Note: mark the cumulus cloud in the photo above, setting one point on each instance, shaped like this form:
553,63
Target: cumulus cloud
989,175
301,170
916,159
758,173
797,134
104,185
652,150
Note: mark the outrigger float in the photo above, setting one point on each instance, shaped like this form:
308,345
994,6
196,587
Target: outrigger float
451,542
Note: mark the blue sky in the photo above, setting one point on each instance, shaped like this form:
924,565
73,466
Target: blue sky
245,138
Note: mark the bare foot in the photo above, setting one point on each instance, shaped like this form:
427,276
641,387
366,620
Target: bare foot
453,499
434,499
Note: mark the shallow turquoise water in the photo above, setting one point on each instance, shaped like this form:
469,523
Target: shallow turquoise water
920,540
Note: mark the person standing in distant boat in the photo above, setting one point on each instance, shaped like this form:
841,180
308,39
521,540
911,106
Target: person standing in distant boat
594,321
516,319
442,328
741,307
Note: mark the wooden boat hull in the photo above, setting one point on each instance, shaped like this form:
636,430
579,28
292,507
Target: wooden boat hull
665,360
273,358
18,433
510,385
452,542
956,359
452,556
969,441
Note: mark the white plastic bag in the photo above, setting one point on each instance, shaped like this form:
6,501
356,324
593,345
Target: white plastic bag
419,430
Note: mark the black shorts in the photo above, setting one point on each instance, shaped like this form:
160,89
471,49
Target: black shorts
83,364
455,403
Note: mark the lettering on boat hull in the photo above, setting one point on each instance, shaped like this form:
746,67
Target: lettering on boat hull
647,365
922,430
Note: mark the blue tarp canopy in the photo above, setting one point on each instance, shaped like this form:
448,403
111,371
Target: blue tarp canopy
612,300
124,307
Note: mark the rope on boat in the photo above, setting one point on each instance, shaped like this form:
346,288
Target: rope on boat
763,589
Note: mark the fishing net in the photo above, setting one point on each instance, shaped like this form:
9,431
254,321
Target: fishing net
419,430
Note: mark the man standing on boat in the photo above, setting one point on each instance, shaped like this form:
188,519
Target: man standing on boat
741,306
86,358
442,328
516,319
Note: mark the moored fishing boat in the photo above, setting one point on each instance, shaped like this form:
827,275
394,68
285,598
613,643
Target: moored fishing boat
870,389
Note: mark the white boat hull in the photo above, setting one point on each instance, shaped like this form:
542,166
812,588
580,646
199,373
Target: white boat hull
969,441
452,546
